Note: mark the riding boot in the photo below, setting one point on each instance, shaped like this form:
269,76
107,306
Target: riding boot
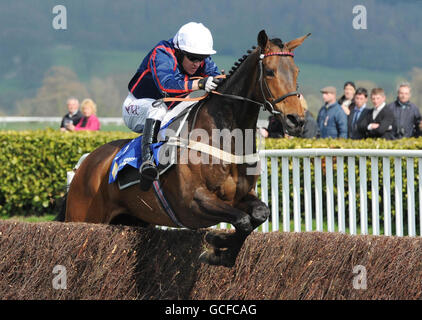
148,172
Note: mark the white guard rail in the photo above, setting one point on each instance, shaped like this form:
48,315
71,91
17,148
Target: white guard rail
335,181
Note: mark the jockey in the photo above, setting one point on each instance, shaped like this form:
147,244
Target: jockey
166,72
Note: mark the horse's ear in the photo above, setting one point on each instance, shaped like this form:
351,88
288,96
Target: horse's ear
262,39
291,45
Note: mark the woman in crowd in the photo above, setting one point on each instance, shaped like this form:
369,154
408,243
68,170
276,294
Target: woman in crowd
89,120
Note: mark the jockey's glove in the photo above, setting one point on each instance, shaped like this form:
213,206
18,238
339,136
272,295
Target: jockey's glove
208,84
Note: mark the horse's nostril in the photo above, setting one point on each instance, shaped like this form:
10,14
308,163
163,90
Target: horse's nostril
294,121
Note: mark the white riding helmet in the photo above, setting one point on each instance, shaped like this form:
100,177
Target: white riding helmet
194,38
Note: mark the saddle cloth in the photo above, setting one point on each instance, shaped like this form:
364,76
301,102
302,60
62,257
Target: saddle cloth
126,163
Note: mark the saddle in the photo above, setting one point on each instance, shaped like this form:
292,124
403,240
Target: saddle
125,165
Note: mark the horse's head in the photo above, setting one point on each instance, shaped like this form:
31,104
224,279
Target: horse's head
278,81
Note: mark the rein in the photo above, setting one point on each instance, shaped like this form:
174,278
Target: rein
262,82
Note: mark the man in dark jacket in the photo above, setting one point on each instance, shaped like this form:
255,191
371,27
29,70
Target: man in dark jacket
73,116
332,121
407,117
379,122
358,114
310,129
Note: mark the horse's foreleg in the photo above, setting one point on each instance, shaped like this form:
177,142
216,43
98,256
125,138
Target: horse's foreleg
226,246
225,256
219,210
258,211
241,220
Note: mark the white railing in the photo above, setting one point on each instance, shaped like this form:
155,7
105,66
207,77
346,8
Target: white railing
104,120
325,197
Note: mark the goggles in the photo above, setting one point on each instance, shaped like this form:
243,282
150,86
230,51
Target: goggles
195,57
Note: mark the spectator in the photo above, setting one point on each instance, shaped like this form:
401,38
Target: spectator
379,122
407,118
73,116
332,121
346,101
89,120
310,130
275,128
356,118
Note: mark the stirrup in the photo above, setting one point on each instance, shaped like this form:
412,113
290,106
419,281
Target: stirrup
148,173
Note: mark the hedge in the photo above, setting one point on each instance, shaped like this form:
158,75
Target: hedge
34,163
34,166
124,263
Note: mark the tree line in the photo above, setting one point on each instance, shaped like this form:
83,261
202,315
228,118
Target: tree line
391,41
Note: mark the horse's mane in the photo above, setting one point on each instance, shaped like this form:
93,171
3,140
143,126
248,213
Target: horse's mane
278,42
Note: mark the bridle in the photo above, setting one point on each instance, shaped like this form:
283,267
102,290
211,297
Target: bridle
263,82
269,105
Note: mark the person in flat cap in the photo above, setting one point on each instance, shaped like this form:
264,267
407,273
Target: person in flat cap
332,121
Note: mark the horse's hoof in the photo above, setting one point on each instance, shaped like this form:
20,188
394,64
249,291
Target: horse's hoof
216,239
219,259
211,257
207,257
260,214
203,258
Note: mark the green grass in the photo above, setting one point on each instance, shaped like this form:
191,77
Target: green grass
311,75
110,62
101,63
317,76
45,218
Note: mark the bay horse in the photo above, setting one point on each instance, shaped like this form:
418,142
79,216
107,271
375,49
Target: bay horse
203,195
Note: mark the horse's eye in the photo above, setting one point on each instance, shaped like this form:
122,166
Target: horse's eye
269,72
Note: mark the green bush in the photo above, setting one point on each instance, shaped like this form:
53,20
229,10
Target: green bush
34,166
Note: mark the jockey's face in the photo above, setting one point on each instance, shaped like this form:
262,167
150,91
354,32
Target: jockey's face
190,66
